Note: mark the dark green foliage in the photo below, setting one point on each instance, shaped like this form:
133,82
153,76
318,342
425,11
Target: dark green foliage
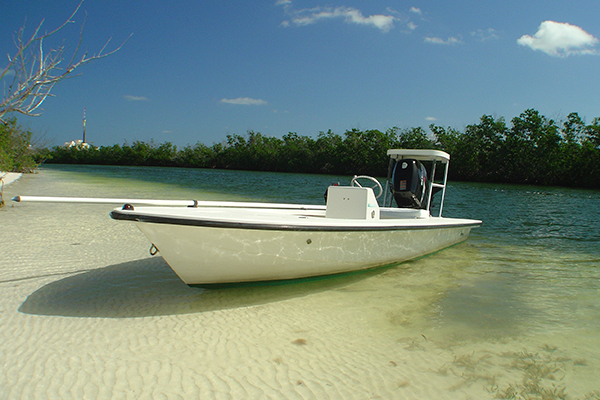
16,153
531,150
360,152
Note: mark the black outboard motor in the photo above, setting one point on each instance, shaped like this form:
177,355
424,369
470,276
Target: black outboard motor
410,182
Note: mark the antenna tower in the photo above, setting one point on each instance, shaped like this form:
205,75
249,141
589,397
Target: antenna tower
84,125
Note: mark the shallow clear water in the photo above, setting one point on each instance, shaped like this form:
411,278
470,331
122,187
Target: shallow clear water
514,312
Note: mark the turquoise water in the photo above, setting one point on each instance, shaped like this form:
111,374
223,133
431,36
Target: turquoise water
514,312
200,184
542,244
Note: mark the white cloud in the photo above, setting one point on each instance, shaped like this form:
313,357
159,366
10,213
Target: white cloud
416,10
349,15
431,119
135,98
9,72
449,41
244,101
483,35
559,39
283,2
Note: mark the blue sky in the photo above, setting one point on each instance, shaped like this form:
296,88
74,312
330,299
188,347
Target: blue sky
195,71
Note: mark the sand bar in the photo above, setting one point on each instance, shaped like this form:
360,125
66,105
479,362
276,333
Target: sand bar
85,312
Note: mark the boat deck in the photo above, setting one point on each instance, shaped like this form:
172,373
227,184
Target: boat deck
297,218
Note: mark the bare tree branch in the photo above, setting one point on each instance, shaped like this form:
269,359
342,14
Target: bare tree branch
34,72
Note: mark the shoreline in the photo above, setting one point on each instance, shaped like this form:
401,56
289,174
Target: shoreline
85,311
9,177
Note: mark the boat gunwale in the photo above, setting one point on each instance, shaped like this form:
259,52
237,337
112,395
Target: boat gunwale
211,223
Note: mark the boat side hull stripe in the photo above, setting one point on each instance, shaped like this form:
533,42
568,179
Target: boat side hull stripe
115,214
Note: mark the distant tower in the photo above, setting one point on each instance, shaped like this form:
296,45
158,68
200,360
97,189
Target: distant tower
84,125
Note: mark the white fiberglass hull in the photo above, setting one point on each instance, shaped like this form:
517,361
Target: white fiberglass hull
204,247
207,242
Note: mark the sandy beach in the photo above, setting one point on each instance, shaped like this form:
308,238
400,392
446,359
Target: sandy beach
9,177
86,312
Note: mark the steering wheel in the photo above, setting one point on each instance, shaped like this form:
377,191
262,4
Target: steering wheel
377,185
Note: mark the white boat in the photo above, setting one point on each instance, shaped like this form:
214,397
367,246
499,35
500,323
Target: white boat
216,243
211,242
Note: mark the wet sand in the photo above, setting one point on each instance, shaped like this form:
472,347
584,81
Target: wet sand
86,312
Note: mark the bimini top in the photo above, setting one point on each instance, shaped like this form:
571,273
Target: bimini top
421,155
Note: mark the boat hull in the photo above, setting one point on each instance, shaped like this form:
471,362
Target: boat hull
216,255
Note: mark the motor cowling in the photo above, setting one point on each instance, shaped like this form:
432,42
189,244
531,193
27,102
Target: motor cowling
409,184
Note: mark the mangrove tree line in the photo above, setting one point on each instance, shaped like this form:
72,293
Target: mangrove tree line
531,149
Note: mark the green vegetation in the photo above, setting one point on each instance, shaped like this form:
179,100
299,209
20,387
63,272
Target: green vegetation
15,148
532,149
